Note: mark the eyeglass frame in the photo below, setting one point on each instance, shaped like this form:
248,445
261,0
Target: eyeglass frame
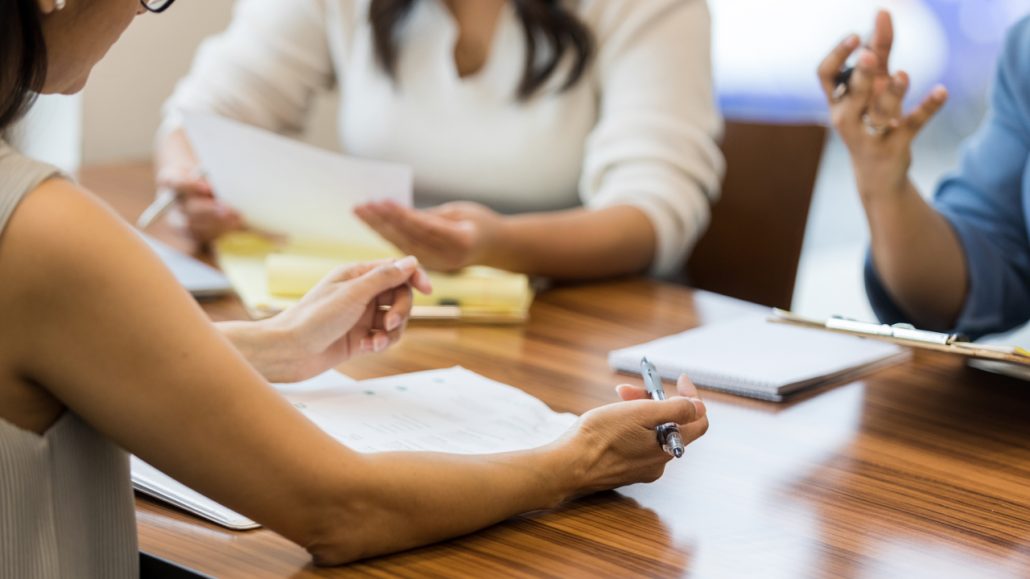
159,9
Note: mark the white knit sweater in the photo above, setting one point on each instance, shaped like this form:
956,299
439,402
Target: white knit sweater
639,129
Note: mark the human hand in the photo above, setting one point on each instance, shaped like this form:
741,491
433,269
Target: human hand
617,445
354,309
444,238
868,115
206,217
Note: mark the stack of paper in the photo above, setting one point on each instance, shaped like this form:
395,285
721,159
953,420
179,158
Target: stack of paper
752,357
310,205
451,410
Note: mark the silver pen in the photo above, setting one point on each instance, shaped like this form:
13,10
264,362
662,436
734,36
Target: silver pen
668,434
163,201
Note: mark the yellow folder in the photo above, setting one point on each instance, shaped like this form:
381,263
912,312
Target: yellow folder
270,276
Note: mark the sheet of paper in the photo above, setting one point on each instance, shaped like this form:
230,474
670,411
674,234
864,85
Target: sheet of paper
290,188
450,410
1018,337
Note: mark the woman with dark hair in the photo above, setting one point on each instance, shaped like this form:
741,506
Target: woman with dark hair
563,138
100,351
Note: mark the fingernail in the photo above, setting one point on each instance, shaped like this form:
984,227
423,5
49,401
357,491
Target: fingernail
699,406
365,345
380,342
851,41
393,321
407,263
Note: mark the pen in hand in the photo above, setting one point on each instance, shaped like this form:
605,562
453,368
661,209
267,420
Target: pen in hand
164,201
668,434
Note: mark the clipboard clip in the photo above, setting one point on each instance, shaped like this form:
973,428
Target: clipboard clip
897,331
906,332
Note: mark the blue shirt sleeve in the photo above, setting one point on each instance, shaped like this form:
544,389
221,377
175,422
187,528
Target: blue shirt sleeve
986,202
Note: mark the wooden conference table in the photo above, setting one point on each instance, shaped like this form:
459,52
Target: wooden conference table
919,470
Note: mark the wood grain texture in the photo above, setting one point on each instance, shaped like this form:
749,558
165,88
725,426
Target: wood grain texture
919,470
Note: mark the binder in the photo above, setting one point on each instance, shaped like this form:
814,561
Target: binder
908,335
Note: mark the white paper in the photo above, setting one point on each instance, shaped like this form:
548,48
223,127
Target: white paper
451,410
754,357
1018,337
286,187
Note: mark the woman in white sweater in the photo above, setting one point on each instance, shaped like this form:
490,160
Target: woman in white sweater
597,159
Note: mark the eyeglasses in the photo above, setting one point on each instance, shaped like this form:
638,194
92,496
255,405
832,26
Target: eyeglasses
156,6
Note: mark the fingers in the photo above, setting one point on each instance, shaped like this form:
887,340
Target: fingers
386,227
207,218
400,309
686,388
885,108
860,86
630,392
831,66
419,228
882,40
384,277
677,409
926,109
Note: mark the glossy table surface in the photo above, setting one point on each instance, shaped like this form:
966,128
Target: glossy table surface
918,470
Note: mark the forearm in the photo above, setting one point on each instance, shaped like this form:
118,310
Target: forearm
398,501
262,344
576,244
918,256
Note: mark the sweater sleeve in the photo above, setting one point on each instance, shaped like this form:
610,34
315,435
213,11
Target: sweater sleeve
263,70
985,203
654,146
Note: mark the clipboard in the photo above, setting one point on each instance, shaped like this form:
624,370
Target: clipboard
908,335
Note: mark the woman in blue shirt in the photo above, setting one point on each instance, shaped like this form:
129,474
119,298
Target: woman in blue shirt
962,262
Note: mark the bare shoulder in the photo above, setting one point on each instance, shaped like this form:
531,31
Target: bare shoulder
67,261
48,228
59,233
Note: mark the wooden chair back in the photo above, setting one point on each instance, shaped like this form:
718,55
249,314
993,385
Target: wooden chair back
752,247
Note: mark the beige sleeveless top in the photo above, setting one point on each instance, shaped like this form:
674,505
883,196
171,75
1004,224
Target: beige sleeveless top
66,506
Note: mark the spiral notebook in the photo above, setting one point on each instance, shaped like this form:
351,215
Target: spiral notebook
751,357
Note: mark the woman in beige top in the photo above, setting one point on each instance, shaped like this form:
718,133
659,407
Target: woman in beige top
100,350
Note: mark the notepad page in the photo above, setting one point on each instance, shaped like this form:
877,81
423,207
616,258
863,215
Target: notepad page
752,356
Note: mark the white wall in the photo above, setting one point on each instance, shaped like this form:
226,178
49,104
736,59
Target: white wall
122,100
52,131
121,104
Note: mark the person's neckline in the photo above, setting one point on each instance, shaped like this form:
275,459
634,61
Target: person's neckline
484,71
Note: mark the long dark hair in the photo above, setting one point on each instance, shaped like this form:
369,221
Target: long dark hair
545,22
23,58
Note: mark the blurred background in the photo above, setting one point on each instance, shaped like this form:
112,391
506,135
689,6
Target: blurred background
765,56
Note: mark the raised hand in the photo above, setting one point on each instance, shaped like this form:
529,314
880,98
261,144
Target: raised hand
868,114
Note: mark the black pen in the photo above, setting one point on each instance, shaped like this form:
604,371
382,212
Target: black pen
668,434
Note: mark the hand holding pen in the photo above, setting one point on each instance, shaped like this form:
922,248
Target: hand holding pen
668,434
